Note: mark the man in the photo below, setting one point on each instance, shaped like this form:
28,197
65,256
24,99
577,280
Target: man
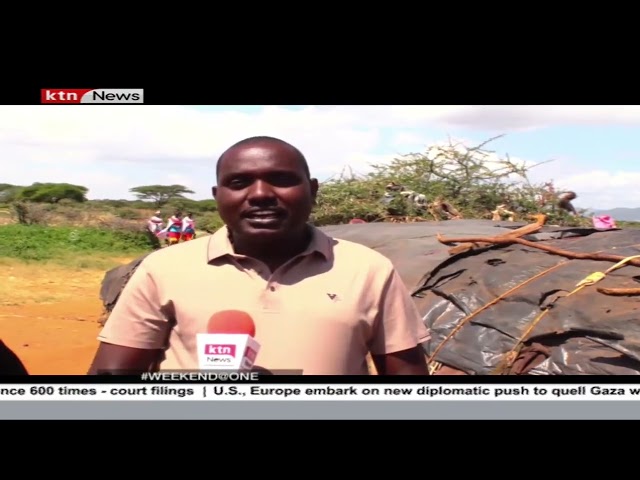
154,227
154,224
319,304
564,202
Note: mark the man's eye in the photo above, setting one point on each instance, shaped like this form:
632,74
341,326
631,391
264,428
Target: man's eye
238,183
284,180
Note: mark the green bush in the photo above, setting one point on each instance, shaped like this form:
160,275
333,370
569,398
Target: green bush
35,242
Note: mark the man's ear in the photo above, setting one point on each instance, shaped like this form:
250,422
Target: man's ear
314,189
214,192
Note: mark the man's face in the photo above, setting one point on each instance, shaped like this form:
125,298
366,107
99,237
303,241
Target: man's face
263,191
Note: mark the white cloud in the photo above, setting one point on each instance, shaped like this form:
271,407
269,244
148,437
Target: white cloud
113,148
516,117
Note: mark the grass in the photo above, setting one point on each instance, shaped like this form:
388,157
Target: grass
74,247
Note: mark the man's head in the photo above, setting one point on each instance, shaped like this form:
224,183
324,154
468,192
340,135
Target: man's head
265,190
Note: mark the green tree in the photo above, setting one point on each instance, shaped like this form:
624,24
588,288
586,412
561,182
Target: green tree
160,194
52,193
8,192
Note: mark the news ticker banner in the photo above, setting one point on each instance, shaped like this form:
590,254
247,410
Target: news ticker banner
243,392
93,96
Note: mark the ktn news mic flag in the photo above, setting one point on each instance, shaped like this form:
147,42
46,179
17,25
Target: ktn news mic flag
228,343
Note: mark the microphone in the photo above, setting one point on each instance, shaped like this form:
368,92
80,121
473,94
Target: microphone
229,343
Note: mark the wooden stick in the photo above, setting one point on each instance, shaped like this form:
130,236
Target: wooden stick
518,232
604,257
619,292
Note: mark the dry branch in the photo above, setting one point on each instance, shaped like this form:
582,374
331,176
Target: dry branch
518,232
619,292
505,240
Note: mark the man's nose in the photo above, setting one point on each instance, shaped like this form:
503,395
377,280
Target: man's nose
261,190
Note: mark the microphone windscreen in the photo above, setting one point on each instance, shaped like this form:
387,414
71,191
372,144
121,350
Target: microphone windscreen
231,322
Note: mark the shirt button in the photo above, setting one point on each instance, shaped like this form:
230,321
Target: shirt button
272,289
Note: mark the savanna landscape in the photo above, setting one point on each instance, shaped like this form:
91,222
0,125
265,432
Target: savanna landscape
56,244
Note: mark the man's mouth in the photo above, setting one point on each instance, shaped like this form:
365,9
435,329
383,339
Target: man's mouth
264,216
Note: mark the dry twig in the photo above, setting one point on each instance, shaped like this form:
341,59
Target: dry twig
505,240
518,232
619,292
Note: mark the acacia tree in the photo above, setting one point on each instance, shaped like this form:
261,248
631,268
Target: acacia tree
160,194
52,193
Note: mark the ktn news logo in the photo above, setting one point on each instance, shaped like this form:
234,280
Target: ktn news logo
109,96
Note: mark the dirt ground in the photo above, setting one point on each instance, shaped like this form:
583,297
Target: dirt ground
49,314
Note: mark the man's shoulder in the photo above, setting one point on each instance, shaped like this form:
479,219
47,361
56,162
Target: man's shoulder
182,252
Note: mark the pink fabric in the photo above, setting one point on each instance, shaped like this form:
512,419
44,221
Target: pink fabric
604,222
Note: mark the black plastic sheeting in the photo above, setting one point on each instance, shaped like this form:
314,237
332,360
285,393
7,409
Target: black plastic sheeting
113,283
587,332
115,280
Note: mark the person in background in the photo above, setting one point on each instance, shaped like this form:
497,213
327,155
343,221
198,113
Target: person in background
154,224
564,202
320,304
173,230
154,229
188,228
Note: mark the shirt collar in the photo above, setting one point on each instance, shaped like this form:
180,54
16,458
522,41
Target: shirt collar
220,244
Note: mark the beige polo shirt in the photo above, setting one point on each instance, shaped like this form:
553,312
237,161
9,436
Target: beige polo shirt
319,313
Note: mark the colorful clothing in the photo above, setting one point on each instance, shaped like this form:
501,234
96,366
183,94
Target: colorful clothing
188,229
173,230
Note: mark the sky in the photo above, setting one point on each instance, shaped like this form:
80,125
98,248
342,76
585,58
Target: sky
591,150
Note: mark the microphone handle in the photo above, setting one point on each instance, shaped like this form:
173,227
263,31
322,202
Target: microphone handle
261,370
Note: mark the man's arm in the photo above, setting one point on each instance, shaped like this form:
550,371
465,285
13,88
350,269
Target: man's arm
399,331
113,359
405,362
135,334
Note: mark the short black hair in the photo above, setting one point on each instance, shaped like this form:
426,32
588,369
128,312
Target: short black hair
265,139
